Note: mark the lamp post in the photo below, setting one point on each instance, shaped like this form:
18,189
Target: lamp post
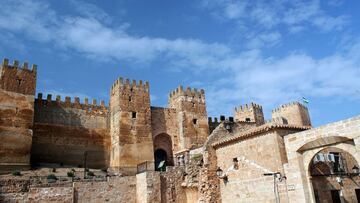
355,170
276,175
221,175
85,162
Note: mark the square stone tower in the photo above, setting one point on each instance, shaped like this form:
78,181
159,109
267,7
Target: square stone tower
130,126
17,95
293,113
250,113
191,116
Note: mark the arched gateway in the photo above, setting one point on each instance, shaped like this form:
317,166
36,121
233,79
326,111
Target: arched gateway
322,163
163,150
334,176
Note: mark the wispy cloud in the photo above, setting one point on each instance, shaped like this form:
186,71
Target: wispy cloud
269,17
241,76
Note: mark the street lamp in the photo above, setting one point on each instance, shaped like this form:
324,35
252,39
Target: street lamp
228,127
356,170
220,174
279,177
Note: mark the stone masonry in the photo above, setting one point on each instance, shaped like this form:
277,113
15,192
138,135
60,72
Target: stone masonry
169,154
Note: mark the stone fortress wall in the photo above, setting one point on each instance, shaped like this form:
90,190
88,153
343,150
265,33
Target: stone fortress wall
130,132
66,132
121,135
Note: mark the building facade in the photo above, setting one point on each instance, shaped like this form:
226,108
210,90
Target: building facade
237,159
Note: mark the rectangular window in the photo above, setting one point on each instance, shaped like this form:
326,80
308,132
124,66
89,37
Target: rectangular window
337,162
133,114
194,121
247,119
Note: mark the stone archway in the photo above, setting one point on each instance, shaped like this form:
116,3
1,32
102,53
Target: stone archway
331,176
163,150
301,148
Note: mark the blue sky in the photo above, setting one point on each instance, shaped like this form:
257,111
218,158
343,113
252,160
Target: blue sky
268,52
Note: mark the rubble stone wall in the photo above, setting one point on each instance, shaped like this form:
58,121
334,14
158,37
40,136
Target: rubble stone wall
117,189
148,187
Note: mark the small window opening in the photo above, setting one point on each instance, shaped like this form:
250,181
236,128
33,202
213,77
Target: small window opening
19,81
129,98
133,114
193,104
247,119
195,121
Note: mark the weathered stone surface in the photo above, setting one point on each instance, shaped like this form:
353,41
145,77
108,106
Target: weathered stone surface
51,194
293,113
116,190
130,126
16,119
148,187
130,131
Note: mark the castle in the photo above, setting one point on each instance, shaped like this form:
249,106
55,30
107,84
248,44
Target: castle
129,132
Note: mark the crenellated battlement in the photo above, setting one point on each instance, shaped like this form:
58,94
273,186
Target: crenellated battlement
293,113
16,65
291,104
18,78
122,83
220,119
278,120
188,92
69,103
248,107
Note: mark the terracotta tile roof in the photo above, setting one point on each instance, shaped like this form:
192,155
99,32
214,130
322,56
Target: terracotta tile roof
255,131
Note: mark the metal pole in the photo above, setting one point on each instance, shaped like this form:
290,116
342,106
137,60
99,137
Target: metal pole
85,155
276,190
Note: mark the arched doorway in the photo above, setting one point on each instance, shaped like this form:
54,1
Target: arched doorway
160,156
334,177
163,151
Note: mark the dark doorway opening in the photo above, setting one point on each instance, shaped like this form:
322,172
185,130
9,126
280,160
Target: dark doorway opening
335,196
160,156
357,192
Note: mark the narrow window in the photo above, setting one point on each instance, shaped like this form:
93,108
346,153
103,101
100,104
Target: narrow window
129,98
338,165
19,81
194,121
133,114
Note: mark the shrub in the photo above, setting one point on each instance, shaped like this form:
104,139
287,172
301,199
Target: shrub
71,174
16,173
73,170
90,173
52,177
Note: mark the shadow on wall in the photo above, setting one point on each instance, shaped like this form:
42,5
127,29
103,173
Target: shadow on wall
70,135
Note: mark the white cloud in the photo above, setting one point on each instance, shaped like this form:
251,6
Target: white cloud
241,76
272,16
272,81
259,40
